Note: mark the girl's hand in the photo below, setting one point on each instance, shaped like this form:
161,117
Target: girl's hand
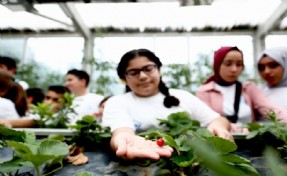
235,128
128,145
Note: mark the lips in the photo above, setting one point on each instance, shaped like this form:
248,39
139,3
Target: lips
144,84
270,79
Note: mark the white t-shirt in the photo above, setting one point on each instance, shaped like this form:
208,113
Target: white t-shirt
7,109
244,112
277,95
140,113
85,105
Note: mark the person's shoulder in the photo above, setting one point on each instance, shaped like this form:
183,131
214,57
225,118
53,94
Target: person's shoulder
120,99
206,87
249,85
6,102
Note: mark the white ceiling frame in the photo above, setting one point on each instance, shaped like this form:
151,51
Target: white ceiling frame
71,11
274,19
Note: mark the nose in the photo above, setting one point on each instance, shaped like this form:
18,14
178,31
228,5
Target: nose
267,70
234,67
142,75
48,101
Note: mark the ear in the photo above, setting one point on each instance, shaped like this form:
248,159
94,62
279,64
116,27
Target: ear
83,82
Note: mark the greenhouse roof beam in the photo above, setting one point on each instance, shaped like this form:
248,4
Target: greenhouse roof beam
71,11
273,20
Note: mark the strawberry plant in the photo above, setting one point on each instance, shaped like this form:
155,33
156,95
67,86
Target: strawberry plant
29,152
270,133
49,119
89,131
196,150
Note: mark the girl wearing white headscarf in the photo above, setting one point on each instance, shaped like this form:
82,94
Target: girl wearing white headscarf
272,65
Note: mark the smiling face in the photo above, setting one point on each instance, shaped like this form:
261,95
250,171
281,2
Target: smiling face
146,83
232,66
271,71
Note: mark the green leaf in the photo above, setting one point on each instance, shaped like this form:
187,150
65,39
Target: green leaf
9,166
168,140
29,137
235,159
184,160
252,134
21,148
56,137
276,166
254,126
245,169
183,143
222,145
53,147
203,132
10,134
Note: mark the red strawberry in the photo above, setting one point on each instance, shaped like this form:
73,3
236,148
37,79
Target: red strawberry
160,142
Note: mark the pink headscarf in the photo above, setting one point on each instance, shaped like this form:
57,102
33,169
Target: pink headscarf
218,58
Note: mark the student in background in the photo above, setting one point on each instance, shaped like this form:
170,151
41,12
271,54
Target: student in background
84,103
10,90
147,100
9,64
272,65
7,106
35,95
102,104
239,102
53,96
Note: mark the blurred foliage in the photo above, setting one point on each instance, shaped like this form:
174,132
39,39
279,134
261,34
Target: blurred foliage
186,76
37,75
105,78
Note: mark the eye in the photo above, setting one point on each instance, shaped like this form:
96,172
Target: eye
132,72
227,64
261,67
148,68
273,65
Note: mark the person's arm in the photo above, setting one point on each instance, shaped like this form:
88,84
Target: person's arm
18,123
220,127
128,145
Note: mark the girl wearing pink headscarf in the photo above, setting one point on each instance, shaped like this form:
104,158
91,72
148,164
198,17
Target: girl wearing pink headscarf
240,103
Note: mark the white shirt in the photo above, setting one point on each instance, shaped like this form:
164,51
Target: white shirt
138,113
85,105
7,109
244,112
277,95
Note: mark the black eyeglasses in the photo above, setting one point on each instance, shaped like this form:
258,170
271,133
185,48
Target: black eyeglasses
134,73
271,65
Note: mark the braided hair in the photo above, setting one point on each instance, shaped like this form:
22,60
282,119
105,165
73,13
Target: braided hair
169,100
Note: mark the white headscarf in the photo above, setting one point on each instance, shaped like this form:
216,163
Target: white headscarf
279,54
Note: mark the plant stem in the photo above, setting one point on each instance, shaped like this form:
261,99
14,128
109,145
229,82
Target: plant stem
38,171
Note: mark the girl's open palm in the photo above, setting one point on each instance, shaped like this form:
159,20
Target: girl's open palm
131,146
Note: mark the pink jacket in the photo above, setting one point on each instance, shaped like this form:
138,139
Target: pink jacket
252,95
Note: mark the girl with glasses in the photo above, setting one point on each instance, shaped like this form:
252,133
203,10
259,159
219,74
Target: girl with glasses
147,99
